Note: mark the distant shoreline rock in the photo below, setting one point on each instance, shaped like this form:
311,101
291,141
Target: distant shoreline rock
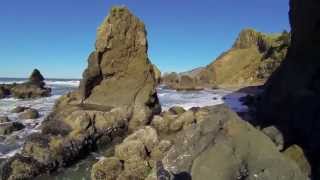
33,88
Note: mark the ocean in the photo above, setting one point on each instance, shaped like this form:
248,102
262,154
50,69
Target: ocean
11,144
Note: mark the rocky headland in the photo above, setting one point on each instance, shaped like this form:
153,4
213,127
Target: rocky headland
117,98
252,59
33,88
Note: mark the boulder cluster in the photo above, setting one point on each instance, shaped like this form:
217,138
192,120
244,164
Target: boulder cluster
8,126
199,143
33,88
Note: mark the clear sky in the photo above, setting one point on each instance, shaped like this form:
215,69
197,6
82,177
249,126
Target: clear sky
57,36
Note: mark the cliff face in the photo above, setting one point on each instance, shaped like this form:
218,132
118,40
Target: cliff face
250,61
292,97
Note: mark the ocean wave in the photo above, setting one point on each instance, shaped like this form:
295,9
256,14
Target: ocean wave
12,82
65,83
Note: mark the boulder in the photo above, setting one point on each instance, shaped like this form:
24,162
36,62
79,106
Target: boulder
136,152
29,114
183,120
20,167
275,135
4,91
4,119
8,128
297,154
108,168
177,110
29,90
19,109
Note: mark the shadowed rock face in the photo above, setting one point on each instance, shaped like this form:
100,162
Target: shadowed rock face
117,93
292,100
36,77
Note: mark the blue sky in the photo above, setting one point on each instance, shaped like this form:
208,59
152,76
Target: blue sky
57,36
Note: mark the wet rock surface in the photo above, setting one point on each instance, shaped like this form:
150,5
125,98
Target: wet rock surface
9,127
29,114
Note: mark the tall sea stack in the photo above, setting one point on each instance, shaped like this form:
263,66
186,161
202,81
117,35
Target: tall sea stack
117,93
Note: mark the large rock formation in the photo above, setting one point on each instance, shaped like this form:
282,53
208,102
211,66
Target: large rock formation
119,73
250,61
206,142
33,88
117,93
291,100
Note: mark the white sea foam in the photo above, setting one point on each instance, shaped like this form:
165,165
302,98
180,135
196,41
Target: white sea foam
187,100
168,98
74,83
12,82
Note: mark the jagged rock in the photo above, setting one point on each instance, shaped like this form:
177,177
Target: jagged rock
177,110
20,167
36,78
117,92
136,153
4,119
26,91
170,78
181,83
159,151
32,89
19,109
275,135
29,114
157,73
108,168
4,91
295,153
113,62
182,121
8,128
161,124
